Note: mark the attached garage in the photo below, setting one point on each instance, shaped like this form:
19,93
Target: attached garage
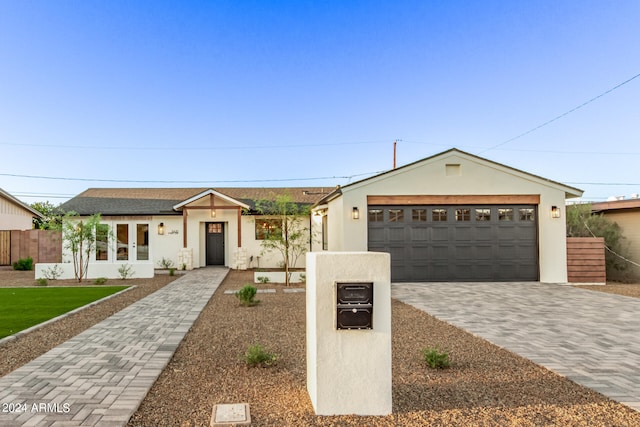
461,243
454,217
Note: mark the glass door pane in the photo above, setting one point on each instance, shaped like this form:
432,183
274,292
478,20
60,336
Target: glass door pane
122,236
142,242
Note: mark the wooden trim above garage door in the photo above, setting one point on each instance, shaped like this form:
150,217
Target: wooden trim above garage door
468,199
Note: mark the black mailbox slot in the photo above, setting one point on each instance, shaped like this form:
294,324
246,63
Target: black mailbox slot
354,305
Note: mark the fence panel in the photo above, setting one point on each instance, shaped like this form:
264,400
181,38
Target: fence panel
5,247
585,260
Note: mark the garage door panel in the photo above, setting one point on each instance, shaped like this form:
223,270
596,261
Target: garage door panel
458,243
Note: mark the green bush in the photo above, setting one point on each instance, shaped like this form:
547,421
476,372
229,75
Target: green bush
23,264
126,271
247,294
263,279
100,281
42,282
435,358
257,355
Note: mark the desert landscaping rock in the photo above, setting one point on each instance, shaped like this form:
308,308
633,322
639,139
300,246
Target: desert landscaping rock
485,385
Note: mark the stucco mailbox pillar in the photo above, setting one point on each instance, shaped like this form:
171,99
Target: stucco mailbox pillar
349,333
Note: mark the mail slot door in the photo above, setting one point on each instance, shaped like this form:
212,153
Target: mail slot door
354,305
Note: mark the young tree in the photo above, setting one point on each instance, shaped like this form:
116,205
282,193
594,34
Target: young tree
79,237
581,222
292,239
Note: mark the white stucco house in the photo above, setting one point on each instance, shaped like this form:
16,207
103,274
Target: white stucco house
14,214
449,217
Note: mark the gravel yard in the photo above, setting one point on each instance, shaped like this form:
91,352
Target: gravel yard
484,386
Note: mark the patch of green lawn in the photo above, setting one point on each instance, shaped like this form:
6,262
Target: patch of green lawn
21,308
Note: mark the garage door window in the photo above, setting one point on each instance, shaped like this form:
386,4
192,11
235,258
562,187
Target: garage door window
483,214
419,215
505,214
526,214
463,214
396,215
439,214
375,215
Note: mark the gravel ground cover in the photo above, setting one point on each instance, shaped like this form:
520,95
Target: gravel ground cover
485,386
25,348
629,290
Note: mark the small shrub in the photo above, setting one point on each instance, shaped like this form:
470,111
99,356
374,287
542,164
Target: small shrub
263,279
303,278
100,281
246,295
184,266
172,271
257,355
165,263
126,271
435,358
52,273
42,282
23,264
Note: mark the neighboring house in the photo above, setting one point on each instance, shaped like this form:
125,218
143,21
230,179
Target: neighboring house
454,217
14,214
626,213
192,227
450,217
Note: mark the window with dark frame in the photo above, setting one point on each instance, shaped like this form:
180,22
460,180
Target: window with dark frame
463,214
483,214
527,214
439,214
396,215
268,228
102,242
419,215
375,215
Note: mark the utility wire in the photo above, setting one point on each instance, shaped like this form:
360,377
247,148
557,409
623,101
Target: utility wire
562,115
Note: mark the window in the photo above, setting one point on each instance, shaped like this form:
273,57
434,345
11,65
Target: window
325,232
102,242
483,214
527,214
375,215
122,235
396,215
505,214
419,215
214,228
463,214
142,239
439,214
268,228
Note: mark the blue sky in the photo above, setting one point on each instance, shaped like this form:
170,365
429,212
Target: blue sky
283,93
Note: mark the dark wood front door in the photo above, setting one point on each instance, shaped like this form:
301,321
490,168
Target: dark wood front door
215,243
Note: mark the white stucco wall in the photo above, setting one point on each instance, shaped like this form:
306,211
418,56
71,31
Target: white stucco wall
476,177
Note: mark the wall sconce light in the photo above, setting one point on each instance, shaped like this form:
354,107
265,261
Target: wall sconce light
161,228
555,212
213,213
355,214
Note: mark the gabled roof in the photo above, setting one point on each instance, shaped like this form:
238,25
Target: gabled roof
569,191
199,196
164,201
12,199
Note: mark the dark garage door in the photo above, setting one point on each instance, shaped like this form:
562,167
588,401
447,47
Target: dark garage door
457,243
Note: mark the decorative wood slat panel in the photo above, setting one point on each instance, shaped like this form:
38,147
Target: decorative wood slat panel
5,247
498,199
585,260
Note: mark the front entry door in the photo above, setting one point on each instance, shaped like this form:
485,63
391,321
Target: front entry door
215,243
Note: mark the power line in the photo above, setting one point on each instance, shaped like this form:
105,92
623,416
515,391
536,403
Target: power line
562,115
237,181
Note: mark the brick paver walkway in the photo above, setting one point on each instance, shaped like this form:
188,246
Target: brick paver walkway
590,337
99,377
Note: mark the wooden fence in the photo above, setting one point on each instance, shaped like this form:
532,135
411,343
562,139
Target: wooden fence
585,260
40,245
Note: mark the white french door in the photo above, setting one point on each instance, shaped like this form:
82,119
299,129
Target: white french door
132,242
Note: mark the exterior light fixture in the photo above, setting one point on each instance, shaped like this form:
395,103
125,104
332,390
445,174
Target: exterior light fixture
161,228
355,214
555,212
213,213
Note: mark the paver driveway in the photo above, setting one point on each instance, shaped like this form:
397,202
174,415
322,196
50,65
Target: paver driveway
590,337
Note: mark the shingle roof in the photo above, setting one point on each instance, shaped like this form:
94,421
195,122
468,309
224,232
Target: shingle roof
160,201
